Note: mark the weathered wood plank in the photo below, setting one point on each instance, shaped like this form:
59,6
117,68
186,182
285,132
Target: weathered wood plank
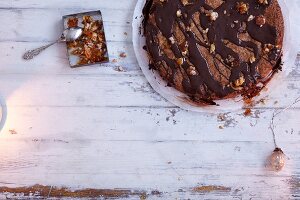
54,60
79,4
163,166
41,89
27,24
145,124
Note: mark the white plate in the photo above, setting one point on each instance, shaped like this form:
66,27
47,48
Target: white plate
180,99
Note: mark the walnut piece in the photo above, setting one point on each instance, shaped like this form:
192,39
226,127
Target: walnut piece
213,15
264,2
242,7
192,71
260,20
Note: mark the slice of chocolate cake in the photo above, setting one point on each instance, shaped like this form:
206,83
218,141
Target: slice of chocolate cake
214,49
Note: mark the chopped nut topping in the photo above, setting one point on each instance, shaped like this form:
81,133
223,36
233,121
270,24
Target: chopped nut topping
236,85
192,71
212,48
178,13
250,18
180,61
242,7
267,48
260,20
172,40
185,2
213,15
73,22
264,2
239,81
252,59
205,31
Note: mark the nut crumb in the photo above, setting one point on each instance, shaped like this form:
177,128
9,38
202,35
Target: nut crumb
119,69
247,112
123,55
13,131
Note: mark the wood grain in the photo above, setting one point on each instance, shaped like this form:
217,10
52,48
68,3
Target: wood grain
94,132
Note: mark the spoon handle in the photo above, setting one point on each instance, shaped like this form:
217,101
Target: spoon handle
34,52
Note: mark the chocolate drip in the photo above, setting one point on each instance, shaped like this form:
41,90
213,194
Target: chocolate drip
229,24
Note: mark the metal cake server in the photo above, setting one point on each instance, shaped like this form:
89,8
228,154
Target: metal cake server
68,35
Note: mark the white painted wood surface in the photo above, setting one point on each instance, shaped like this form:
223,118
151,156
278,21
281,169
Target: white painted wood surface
94,127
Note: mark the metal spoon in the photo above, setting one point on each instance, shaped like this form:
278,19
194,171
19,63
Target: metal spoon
68,35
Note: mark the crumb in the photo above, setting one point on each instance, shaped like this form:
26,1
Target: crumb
114,60
227,119
13,131
247,112
221,117
125,33
262,101
169,162
221,127
123,55
275,102
120,69
72,22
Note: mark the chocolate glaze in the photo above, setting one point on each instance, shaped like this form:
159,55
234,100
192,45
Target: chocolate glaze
229,24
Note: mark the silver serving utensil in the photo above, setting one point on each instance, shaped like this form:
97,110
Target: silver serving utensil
68,35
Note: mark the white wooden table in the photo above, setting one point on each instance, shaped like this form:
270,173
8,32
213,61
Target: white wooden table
96,132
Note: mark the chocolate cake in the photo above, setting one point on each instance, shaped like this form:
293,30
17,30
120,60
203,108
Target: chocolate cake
214,49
